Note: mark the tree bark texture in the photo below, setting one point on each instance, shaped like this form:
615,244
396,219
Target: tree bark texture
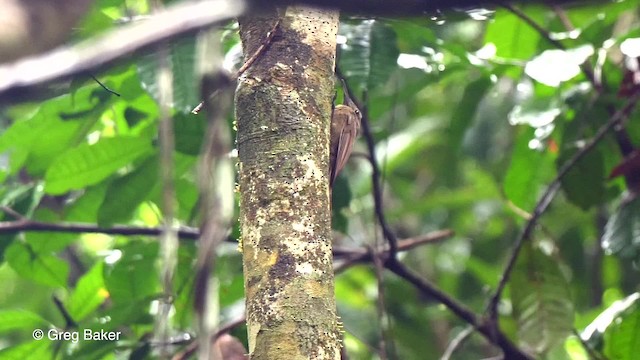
283,112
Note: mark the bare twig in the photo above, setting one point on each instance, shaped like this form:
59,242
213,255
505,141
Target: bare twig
261,49
361,255
168,238
9,211
549,194
72,227
69,322
193,346
383,318
375,175
545,34
104,86
215,183
92,55
489,329
457,342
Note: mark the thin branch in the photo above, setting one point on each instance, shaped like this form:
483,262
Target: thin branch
549,194
193,346
383,317
97,53
545,34
68,319
375,174
489,329
104,86
261,49
361,255
6,227
457,342
168,238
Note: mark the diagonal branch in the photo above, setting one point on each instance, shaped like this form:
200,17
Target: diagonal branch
97,53
549,194
489,329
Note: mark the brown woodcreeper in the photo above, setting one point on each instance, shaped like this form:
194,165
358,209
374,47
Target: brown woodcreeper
345,125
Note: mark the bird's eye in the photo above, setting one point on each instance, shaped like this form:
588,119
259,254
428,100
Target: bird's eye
357,112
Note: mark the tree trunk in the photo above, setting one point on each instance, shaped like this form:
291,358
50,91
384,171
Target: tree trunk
283,111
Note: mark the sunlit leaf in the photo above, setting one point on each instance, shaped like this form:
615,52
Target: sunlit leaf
622,337
89,164
541,301
527,173
20,319
88,294
133,276
41,268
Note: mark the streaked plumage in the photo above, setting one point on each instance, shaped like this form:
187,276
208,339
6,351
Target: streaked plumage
345,125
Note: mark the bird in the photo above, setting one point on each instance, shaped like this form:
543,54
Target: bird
345,126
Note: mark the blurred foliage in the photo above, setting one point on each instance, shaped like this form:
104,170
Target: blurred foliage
473,112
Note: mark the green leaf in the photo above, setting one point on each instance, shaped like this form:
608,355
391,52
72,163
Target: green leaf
622,337
622,231
541,300
512,37
46,242
88,294
584,184
44,269
189,132
461,119
133,276
186,94
85,208
126,193
59,124
89,164
370,55
528,171
595,332
20,319
31,350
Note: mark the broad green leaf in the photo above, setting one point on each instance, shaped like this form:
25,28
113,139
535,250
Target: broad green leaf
89,164
370,55
30,350
88,294
44,269
622,338
187,196
85,208
527,173
595,332
512,37
541,300
461,120
584,184
186,92
59,124
21,319
622,231
189,132
133,276
126,193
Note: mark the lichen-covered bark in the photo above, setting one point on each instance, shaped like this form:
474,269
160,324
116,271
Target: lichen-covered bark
283,111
